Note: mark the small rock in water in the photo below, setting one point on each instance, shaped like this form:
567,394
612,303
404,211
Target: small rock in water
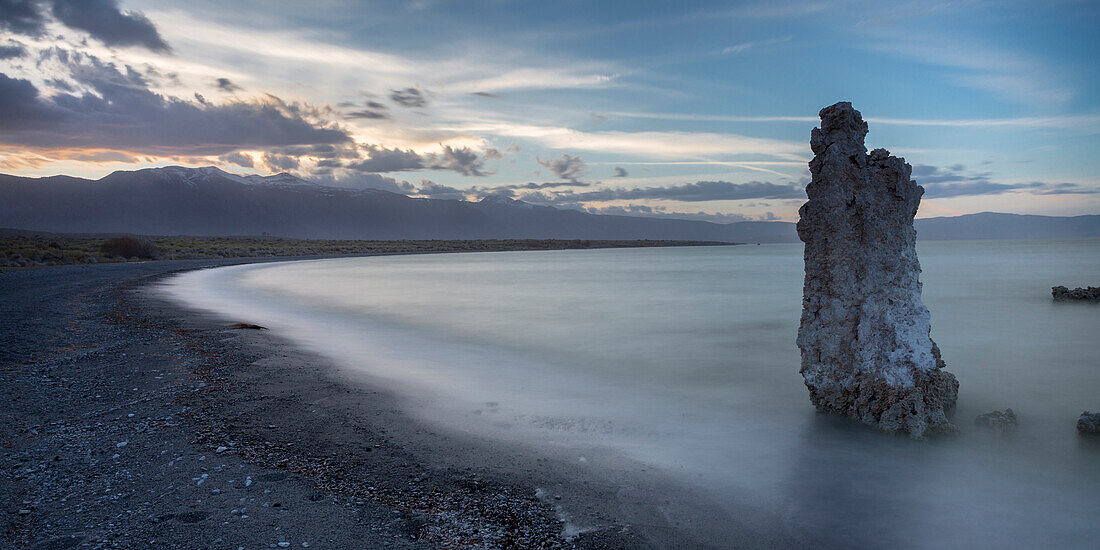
222,449
248,326
1089,423
1063,294
1000,422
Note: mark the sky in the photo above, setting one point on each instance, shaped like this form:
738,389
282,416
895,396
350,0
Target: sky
697,110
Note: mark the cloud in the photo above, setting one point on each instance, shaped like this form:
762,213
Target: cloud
120,112
651,144
954,181
409,97
463,160
374,110
744,46
363,181
436,191
566,167
21,16
1014,75
458,159
102,156
239,159
620,172
103,20
691,192
531,78
12,50
20,107
367,114
432,189
226,85
276,162
484,94
548,185
381,159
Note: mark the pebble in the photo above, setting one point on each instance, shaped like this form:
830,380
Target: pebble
121,444
222,449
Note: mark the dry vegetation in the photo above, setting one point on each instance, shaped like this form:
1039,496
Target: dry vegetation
29,249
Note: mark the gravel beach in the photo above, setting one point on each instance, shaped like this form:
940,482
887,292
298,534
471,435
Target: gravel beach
128,422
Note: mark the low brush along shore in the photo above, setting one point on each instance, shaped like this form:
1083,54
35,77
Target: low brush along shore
19,248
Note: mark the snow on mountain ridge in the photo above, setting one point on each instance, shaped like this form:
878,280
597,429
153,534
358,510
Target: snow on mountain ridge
195,175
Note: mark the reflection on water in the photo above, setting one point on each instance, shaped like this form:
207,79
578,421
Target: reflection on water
684,358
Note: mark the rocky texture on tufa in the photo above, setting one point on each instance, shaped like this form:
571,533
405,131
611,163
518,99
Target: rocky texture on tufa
865,337
1063,294
1089,423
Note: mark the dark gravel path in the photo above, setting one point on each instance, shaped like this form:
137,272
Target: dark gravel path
96,448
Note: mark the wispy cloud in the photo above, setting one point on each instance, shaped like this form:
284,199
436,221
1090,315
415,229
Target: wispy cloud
1014,75
683,145
957,181
532,78
745,46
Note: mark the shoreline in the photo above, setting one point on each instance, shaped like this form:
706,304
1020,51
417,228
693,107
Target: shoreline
249,400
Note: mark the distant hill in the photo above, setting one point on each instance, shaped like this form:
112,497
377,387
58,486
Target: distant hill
992,225
210,202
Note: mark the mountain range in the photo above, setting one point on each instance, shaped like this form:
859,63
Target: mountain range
211,202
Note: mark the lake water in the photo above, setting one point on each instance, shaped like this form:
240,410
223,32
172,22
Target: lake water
684,359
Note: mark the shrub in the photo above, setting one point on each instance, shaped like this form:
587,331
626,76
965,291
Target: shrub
129,247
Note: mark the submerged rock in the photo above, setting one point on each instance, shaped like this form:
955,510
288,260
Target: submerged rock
1089,423
1000,422
1063,294
247,326
865,334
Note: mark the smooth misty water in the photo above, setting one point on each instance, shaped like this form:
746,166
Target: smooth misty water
684,358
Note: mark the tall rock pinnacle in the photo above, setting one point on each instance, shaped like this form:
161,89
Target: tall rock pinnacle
867,352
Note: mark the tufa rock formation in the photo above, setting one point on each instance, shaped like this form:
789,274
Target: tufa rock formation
865,337
1063,294
1089,423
